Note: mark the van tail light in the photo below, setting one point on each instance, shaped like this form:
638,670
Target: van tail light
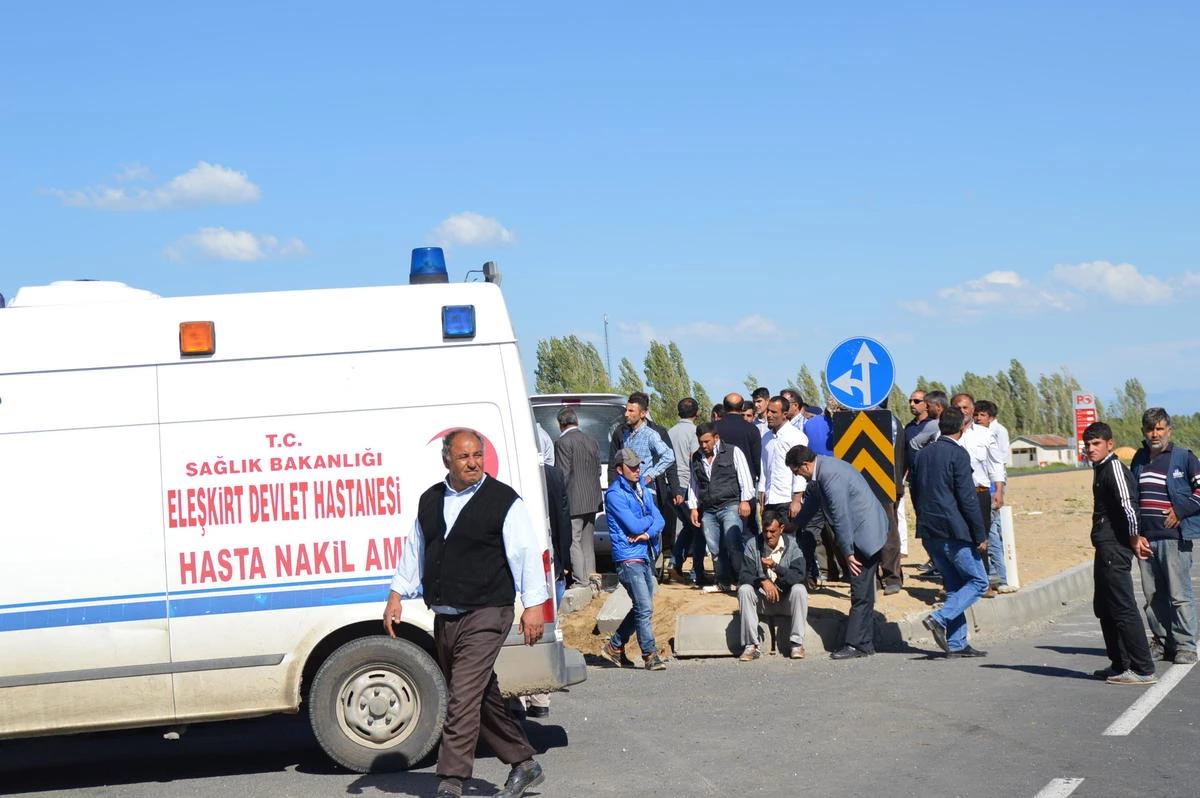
548,612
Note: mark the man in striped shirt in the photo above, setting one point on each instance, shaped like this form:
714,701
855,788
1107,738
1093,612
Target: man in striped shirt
1115,536
1168,480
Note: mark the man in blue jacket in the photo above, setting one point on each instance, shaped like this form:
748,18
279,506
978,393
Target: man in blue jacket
634,527
950,524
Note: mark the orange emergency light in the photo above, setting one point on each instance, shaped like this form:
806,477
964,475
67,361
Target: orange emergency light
197,338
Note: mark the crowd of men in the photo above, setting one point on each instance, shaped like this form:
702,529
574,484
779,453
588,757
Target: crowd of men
761,494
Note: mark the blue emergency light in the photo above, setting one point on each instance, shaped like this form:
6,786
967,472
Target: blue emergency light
458,321
428,266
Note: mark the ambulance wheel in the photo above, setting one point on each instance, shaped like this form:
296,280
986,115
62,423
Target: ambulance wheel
378,704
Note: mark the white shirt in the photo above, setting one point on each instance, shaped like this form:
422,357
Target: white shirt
776,481
1002,440
740,464
987,461
521,547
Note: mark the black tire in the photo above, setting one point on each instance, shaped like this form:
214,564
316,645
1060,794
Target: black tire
378,704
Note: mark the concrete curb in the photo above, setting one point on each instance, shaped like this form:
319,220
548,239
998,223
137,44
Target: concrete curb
574,599
719,635
616,607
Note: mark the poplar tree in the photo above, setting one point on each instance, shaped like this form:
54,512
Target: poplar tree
568,365
629,380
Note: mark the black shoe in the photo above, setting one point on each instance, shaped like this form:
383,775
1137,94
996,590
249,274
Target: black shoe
891,588
537,712
938,631
521,779
1104,673
966,653
849,652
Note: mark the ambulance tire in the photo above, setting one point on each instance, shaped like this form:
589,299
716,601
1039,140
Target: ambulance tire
378,704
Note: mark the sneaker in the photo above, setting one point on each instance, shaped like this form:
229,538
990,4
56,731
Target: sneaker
938,631
1159,651
1185,657
1006,588
891,589
1129,677
614,655
710,589
655,663
1106,673
749,654
797,652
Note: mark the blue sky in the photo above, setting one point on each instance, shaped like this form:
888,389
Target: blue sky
967,183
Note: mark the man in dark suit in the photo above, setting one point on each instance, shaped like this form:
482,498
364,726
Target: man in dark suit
950,524
578,456
734,430
860,528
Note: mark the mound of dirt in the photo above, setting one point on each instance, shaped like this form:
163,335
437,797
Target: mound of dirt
1051,521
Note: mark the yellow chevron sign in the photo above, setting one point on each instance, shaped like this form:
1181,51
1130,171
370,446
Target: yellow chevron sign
867,441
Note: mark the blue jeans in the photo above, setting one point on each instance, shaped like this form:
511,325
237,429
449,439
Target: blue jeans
723,536
1170,599
637,577
965,579
997,572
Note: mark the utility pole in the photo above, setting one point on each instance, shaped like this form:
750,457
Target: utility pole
607,354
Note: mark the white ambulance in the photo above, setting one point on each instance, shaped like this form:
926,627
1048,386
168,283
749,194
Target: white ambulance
203,501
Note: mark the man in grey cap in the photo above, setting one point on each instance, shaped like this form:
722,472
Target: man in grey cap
634,527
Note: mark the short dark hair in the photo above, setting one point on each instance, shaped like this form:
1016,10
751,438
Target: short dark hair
987,407
718,410
783,402
951,421
688,408
1154,415
798,456
640,399
747,406
1097,429
761,393
567,417
771,516
706,428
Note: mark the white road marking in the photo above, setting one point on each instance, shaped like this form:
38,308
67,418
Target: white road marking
1059,788
1148,701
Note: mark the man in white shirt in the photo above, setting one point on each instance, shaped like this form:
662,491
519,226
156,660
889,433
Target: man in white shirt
987,462
778,488
719,497
986,415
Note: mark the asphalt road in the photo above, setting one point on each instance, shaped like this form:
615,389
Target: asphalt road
896,724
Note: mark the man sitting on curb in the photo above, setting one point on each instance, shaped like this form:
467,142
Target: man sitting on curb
772,583
950,523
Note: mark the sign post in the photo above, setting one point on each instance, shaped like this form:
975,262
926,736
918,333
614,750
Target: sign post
1085,413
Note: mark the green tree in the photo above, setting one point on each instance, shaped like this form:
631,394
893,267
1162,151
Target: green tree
751,382
668,380
807,387
1131,401
1023,397
897,402
568,365
629,381
702,398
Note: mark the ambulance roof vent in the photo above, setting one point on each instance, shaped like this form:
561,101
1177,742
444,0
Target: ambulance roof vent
77,292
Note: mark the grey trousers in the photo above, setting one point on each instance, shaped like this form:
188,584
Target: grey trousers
467,647
583,547
752,603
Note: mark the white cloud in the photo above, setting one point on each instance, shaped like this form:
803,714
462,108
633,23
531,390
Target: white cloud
133,172
238,245
754,327
203,185
471,229
1121,282
996,292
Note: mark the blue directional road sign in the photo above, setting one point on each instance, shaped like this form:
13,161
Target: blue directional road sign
859,373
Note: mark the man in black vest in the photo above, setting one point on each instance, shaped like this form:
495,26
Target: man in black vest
719,499
468,531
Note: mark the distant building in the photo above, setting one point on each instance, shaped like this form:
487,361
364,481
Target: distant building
1032,451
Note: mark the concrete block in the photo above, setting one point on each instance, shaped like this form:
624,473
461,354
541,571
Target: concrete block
616,607
707,636
575,599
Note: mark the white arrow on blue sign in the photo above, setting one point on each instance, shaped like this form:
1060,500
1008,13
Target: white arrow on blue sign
859,373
